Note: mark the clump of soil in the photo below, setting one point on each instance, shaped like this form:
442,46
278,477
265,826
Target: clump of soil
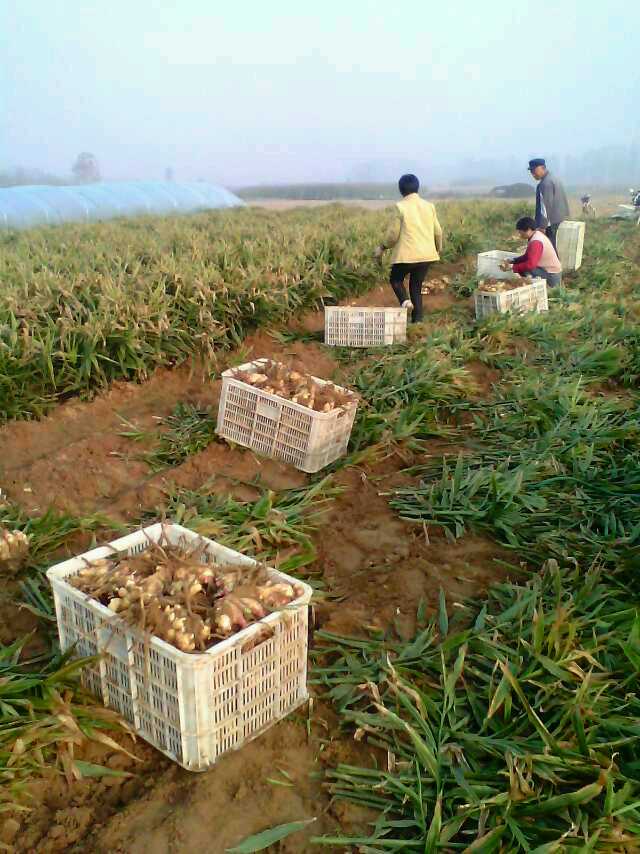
484,378
60,816
162,808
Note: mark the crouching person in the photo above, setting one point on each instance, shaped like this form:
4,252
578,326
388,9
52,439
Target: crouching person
540,261
416,242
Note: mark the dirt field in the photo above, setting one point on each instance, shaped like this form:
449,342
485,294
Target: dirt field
375,568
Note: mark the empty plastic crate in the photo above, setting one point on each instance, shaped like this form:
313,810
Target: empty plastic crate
489,264
278,428
570,243
353,326
194,707
529,297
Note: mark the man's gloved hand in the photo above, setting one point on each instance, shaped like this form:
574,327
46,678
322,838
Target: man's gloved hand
378,252
506,266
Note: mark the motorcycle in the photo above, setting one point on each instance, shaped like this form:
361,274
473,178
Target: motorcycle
631,211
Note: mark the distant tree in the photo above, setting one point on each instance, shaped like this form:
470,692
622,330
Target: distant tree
19,176
85,169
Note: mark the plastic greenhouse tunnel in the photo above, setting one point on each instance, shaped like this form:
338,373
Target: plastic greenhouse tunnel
28,206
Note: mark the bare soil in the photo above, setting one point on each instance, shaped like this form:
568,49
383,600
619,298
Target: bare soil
484,378
376,568
380,567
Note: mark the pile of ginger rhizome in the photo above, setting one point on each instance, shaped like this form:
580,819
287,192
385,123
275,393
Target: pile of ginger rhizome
491,285
168,592
275,378
14,549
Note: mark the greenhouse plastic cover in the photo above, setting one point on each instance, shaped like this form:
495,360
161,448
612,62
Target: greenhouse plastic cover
26,206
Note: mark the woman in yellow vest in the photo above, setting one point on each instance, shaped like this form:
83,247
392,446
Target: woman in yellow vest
416,241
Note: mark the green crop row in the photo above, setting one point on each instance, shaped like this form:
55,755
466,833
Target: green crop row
512,726
83,305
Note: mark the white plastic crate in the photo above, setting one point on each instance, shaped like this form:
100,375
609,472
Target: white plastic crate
354,326
570,243
529,297
279,428
489,264
194,707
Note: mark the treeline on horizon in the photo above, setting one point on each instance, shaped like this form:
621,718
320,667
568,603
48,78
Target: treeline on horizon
358,191
607,169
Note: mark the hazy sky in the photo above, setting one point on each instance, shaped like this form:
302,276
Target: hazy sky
277,90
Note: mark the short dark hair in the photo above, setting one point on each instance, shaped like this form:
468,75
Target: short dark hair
408,184
526,223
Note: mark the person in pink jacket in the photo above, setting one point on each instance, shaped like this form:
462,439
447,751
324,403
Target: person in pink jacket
541,259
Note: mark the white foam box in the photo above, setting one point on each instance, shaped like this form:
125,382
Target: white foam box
279,428
355,326
194,707
489,264
528,297
570,243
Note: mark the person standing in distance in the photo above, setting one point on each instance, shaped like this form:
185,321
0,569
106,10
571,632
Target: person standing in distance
552,207
416,241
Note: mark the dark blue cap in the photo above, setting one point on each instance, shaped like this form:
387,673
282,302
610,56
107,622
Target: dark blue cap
538,161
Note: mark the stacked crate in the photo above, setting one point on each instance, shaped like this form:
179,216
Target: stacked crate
570,243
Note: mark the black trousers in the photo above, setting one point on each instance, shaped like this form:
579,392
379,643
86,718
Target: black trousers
552,232
417,274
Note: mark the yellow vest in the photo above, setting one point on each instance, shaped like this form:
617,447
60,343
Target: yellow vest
419,234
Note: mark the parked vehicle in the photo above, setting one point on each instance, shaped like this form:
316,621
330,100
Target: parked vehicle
630,211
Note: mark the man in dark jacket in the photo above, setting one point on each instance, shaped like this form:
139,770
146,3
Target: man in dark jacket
552,207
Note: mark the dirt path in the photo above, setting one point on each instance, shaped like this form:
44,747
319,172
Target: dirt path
375,569
77,460
381,567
